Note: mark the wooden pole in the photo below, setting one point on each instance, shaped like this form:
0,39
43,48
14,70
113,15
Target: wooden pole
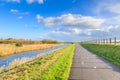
103,41
115,40
110,40
106,41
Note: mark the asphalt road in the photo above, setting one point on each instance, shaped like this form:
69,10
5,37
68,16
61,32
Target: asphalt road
88,66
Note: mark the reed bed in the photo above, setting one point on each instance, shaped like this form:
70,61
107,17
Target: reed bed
8,49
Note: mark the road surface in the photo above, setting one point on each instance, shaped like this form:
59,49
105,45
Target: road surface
88,66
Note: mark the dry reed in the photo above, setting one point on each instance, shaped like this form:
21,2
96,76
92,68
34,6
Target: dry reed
18,62
1,69
8,49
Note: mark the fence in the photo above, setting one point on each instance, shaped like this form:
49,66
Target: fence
105,41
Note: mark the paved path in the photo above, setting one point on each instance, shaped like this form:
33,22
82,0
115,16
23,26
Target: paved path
88,66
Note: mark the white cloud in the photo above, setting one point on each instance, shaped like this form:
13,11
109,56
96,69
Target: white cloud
114,8
20,17
33,1
71,20
18,1
28,1
25,13
77,31
117,19
39,17
40,1
67,31
18,13
109,28
14,11
105,32
100,33
104,7
76,27
77,34
64,35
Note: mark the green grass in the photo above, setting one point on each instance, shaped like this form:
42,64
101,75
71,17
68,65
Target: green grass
109,52
60,69
59,61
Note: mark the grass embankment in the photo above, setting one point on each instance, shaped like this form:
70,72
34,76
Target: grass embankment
60,69
109,52
54,66
8,49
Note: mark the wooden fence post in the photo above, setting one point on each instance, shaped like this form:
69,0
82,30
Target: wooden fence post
103,41
106,41
110,40
115,40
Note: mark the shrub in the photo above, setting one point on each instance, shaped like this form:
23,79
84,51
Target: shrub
19,44
48,41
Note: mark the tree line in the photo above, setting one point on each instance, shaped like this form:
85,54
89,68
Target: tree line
27,41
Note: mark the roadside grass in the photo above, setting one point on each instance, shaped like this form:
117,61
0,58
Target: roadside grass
34,69
8,49
59,70
18,62
109,52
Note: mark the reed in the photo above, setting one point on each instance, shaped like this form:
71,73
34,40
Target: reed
21,61
18,62
8,49
1,69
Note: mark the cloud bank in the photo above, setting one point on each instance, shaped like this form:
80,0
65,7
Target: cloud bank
17,1
71,20
28,1
33,1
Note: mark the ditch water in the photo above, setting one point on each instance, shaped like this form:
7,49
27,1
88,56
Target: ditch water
5,61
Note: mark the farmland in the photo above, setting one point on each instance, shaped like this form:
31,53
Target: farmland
109,52
45,67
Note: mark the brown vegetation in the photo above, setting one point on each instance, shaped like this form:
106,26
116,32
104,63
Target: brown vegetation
8,49
11,45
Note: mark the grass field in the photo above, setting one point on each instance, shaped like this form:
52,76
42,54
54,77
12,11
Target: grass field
8,49
54,66
109,52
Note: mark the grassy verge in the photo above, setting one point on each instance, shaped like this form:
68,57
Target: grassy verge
8,49
109,52
36,68
60,69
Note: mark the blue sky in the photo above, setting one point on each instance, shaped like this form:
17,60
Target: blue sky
63,20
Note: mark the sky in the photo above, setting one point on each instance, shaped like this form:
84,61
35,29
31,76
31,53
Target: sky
62,20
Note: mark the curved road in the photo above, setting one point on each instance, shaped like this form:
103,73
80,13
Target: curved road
88,66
